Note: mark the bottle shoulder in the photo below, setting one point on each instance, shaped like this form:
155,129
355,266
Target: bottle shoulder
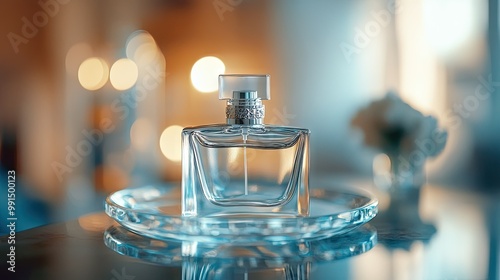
270,136
250,129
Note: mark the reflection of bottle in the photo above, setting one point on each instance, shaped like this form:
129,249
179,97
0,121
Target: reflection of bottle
245,167
192,270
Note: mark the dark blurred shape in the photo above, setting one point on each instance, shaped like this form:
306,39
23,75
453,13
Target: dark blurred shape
485,162
494,234
400,225
8,150
30,210
486,165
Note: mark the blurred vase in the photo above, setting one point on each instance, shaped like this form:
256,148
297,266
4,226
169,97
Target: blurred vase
394,172
402,176
400,224
406,173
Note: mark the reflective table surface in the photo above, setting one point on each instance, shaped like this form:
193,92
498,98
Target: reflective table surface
428,233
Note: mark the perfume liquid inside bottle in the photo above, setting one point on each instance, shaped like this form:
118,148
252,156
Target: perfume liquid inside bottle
245,168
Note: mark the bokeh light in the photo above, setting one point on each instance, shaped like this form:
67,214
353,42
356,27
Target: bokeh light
95,222
205,72
141,47
382,163
123,74
449,24
140,134
93,73
170,142
382,171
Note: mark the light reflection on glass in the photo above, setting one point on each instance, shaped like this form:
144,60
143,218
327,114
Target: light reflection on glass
95,222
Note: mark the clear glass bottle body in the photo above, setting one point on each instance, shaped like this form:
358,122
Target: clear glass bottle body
245,170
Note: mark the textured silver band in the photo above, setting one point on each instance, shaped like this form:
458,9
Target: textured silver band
235,112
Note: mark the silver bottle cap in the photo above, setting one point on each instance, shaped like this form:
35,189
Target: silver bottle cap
244,95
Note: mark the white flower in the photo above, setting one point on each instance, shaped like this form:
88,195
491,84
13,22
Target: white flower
395,128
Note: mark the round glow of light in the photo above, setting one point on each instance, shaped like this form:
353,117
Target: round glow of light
449,24
381,163
170,142
123,74
93,73
205,72
140,134
141,47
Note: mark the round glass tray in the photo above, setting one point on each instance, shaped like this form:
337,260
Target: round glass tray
155,211
177,253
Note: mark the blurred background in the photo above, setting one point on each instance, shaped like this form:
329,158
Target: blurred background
93,94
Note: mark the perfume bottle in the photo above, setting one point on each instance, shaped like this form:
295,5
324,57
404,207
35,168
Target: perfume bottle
245,168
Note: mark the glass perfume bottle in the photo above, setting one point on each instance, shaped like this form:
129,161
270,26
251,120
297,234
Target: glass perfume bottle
245,168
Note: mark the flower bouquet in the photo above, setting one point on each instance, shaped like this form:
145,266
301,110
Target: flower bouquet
404,134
